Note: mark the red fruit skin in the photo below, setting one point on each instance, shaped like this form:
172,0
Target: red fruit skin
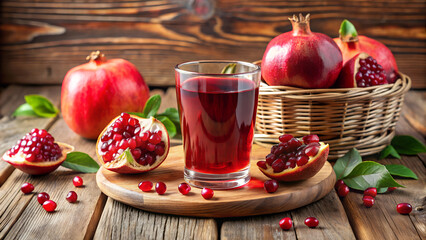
302,59
375,49
346,77
95,92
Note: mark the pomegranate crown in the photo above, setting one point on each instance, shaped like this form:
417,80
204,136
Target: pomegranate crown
96,56
348,32
300,24
301,18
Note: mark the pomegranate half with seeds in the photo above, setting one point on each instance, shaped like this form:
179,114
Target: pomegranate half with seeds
37,153
361,71
130,144
295,159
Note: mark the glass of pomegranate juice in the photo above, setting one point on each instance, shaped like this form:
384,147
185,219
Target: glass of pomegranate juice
217,115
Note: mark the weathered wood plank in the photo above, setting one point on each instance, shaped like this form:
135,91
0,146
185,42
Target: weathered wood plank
13,128
41,41
333,223
120,221
414,110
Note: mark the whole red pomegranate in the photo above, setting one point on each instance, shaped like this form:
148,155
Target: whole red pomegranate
351,44
95,92
301,58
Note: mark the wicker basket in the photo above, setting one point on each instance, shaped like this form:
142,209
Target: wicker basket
364,118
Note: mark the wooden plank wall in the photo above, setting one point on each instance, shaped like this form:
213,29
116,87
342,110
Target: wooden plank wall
40,41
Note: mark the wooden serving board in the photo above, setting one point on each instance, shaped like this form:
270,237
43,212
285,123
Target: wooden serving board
251,199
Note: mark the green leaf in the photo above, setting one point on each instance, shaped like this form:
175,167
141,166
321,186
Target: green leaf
24,110
400,171
170,126
370,174
229,69
408,145
348,32
347,163
389,150
173,115
382,190
81,162
41,106
152,106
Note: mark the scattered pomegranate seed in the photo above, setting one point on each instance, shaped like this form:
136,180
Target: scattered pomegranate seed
286,223
71,197
343,190
145,186
310,138
368,201
391,189
371,191
404,208
27,188
77,181
338,184
184,188
261,164
161,188
49,206
311,222
207,193
42,197
271,186
285,138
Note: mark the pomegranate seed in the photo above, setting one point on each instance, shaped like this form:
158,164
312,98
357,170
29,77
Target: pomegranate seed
117,137
133,122
144,136
368,201
294,143
136,153
270,158
391,189
159,150
370,73
285,138
42,197
310,138
261,164
77,181
154,139
343,190
271,186
286,223
132,143
150,147
145,186
71,197
278,165
49,206
125,116
404,208
161,188
311,222
27,188
371,191
302,160
184,188
207,193
338,184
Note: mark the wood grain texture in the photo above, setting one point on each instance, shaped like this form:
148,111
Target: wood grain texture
249,200
333,223
13,128
42,40
120,221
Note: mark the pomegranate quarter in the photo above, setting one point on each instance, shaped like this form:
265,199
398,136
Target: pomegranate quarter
130,144
295,159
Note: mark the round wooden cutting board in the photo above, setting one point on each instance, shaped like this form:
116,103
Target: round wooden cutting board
251,199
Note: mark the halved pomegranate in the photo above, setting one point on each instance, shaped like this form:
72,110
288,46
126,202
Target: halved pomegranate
130,144
361,71
37,153
295,159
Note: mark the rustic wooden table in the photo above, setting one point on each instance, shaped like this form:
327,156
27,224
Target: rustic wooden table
97,216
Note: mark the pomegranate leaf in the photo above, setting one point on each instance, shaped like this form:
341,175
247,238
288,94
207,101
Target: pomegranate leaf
389,150
41,106
401,171
170,126
347,163
370,174
405,144
173,115
80,162
24,110
382,190
152,106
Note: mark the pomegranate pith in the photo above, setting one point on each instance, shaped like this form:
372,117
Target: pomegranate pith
286,223
49,206
311,222
145,186
368,201
77,181
207,193
404,208
160,188
27,188
271,186
71,197
184,188
42,197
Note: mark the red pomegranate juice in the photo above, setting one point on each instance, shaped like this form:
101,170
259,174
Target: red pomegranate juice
217,118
